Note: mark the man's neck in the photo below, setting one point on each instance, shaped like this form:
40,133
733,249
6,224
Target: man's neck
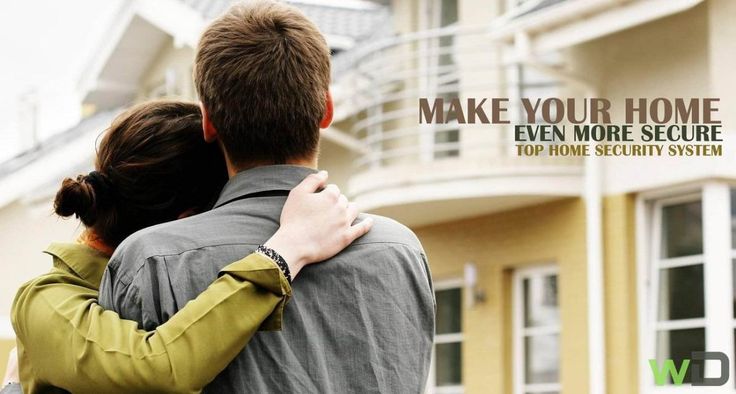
233,169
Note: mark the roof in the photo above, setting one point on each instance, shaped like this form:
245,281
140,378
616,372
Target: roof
136,38
50,160
356,19
24,158
542,4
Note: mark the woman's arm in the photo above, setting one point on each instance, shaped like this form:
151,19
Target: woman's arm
74,344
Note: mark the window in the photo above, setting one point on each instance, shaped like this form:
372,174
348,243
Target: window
536,331
442,79
686,282
527,82
447,360
677,280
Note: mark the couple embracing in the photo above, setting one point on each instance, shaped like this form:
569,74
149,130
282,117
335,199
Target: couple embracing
215,256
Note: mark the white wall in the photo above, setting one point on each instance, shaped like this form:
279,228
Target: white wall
670,57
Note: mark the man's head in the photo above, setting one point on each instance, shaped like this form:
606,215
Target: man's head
262,72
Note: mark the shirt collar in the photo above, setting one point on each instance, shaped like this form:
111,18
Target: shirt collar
88,263
263,179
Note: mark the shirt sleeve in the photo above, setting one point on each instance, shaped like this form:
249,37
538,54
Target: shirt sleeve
94,348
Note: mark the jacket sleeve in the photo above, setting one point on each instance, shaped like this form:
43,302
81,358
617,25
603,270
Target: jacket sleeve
95,349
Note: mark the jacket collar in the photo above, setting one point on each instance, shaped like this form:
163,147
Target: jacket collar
263,179
87,263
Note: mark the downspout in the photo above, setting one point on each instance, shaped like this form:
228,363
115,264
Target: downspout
594,235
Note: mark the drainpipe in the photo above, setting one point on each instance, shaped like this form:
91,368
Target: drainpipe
594,250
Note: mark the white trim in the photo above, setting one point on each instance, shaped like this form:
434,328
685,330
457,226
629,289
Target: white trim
456,337
610,21
717,275
542,387
682,324
642,284
6,328
449,338
718,320
449,390
520,331
509,25
576,21
593,197
652,323
683,261
544,330
446,284
667,193
108,42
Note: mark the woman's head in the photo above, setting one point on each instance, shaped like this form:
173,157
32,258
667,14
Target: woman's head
152,166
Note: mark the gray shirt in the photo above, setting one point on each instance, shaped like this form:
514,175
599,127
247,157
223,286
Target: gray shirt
361,322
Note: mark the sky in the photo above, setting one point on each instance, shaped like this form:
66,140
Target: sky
45,45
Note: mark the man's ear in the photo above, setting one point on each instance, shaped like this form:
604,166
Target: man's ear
210,133
329,112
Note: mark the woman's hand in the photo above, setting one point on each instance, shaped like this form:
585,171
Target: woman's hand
11,371
316,225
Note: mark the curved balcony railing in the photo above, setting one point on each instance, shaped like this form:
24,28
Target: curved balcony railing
377,90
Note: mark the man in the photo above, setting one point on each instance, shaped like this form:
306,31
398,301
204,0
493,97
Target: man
360,323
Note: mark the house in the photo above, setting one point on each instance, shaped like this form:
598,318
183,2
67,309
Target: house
552,274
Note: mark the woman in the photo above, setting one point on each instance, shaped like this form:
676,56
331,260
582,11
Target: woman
153,166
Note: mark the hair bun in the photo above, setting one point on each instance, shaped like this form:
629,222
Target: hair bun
76,197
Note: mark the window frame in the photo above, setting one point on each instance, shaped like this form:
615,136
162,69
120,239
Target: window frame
719,320
434,85
520,332
457,283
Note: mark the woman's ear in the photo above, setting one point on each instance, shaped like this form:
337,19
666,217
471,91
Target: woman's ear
329,112
210,133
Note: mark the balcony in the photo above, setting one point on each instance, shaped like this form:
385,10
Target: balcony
405,169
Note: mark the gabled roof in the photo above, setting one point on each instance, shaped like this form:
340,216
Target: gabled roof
142,28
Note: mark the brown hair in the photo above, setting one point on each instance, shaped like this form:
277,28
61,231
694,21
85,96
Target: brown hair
262,71
152,165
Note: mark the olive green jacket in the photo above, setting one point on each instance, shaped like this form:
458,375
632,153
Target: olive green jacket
67,342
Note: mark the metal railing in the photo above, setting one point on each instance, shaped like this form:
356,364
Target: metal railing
384,79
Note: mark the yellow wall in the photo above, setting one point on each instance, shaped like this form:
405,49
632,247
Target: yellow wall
498,243
620,294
